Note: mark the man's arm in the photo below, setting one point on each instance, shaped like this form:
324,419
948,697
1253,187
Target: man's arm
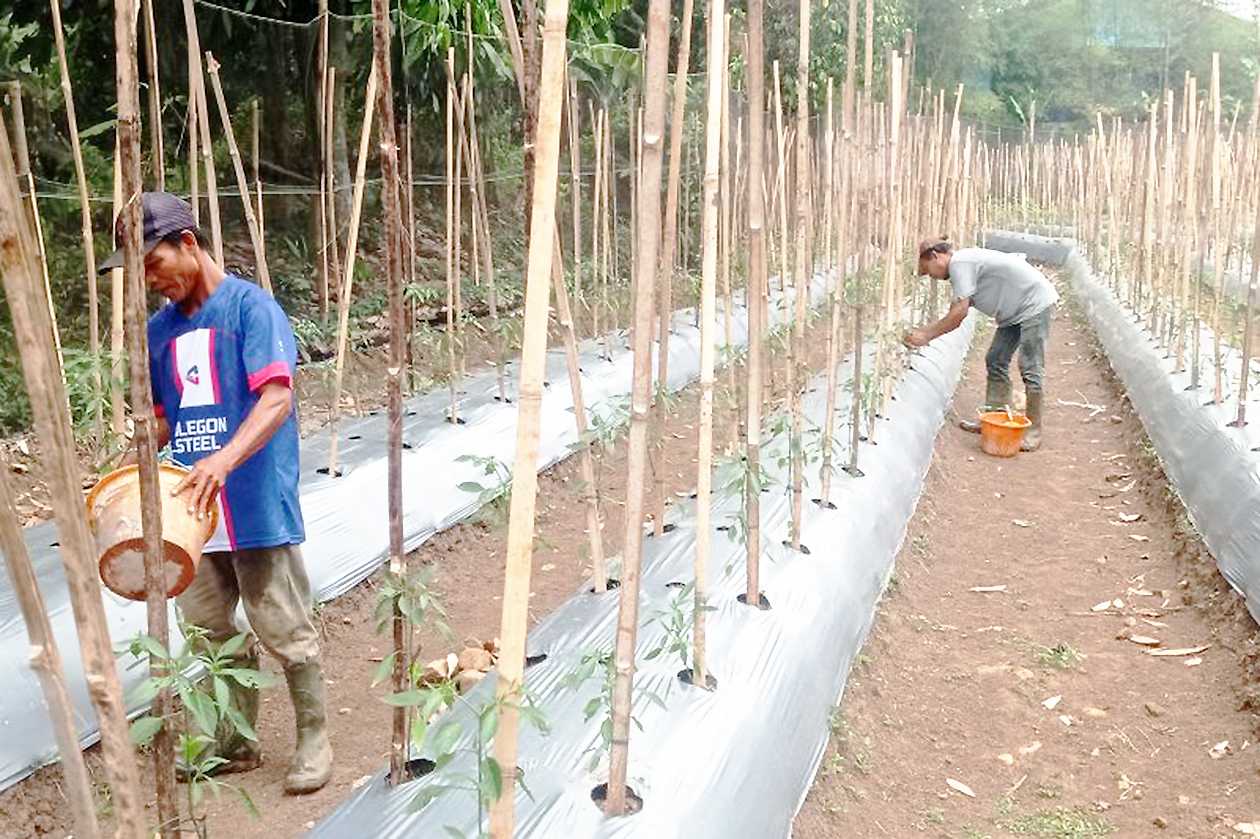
953,319
207,476
163,430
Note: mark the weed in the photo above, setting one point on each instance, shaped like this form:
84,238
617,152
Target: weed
1060,823
1048,792
975,833
1061,656
934,816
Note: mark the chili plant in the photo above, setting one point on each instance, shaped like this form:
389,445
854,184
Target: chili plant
412,597
599,662
494,495
200,676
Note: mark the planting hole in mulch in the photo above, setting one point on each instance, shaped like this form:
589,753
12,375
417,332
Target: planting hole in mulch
763,604
687,678
724,528
531,660
457,421
675,584
826,505
503,399
609,584
633,802
323,470
854,472
787,543
355,437
418,767
407,447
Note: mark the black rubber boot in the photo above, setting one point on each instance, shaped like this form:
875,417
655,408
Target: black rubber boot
997,395
1032,437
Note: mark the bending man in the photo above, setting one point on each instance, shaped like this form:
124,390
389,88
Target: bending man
1015,294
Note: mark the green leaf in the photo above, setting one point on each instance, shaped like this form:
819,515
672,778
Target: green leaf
144,729
241,724
419,729
250,807
471,486
233,645
445,738
145,691
491,779
203,711
385,669
489,723
406,699
221,694
247,678
143,645
454,833
99,128
592,707
427,795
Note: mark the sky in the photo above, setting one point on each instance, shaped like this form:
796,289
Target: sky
1242,8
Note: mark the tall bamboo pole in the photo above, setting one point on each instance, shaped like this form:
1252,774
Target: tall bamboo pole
85,227
325,163
242,185
117,409
330,192
32,329
839,278
575,182
157,151
708,303
803,208
391,209
198,84
347,285
868,63
669,260
146,436
727,220
451,269
649,234
258,186
533,362
25,173
755,291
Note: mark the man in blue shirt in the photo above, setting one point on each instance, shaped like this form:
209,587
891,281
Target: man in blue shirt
222,359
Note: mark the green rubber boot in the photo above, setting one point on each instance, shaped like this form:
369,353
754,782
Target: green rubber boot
241,753
997,395
312,758
1032,437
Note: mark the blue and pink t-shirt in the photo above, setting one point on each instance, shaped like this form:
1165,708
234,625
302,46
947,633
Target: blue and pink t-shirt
207,371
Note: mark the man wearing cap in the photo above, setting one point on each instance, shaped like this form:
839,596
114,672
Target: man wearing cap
222,358
1015,294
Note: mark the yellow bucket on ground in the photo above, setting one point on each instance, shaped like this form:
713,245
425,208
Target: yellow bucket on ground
1001,433
113,508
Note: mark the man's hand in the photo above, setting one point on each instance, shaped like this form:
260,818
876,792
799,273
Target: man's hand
916,338
206,478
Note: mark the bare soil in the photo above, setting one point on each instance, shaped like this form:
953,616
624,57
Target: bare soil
1036,699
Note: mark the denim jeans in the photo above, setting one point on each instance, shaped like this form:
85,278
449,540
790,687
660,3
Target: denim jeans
1029,337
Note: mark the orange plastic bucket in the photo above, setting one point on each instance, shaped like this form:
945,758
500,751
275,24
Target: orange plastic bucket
1001,433
113,507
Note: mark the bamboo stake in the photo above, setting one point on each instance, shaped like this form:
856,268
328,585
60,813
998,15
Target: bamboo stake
238,167
868,64
649,234
157,150
116,327
85,227
755,291
347,286
391,209
839,276
194,151
32,329
198,84
258,187
716,80
146,436
45,660
1218,246
533,363
575,181
25,173
610,247
596,207
325,164
669,259
727,220
330,172
477,181
451,188
802,286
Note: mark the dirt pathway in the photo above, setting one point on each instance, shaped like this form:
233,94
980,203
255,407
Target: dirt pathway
1034,698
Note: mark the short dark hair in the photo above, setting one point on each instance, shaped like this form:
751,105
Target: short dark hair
929,247
178,237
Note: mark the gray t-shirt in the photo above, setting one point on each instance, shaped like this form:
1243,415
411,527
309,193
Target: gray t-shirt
1002,285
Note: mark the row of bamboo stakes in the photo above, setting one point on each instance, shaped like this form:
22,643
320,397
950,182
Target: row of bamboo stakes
1198,188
